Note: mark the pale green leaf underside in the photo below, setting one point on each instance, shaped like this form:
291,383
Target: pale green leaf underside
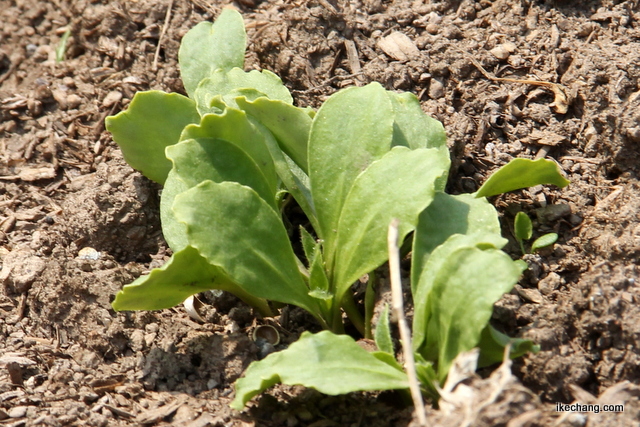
144,130
208,47
352,129
332,364
185,274
399,185
522,173
260,261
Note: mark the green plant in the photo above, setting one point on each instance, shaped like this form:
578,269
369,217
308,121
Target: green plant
523,230
233,154
61,49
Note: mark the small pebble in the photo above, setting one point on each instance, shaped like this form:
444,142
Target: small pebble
432,29
112,98
73,100
18,412
436,89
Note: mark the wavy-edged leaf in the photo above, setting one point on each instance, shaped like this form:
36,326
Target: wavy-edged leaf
399,185
234,126
152,122
234,83
522,173
185,274
218,160
351,130
445,216
332,364
175,232
261,261
208,47
290,125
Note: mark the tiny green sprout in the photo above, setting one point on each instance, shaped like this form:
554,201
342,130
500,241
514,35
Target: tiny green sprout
523,229
62,46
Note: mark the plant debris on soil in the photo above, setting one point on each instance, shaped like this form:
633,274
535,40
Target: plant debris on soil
508,78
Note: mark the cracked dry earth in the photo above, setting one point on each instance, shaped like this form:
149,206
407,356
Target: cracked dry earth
76,223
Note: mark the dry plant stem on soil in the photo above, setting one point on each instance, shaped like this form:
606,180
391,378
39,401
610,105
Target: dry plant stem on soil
561,99
398,314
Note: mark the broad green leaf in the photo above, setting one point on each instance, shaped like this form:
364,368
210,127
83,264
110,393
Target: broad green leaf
522,226
522,173
544,241
426,271
400,185
185,274
412,127
352,129
290,125
234,83
234,126
175,232
383,332
218,160
332,364
492,345
259,259
445,216
153,121
464,290
208,47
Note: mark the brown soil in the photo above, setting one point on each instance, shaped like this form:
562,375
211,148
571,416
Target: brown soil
66,358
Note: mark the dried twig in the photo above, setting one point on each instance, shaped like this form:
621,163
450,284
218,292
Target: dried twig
561,99
167,17
398,314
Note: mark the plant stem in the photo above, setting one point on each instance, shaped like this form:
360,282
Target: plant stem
349,307
398,313
259,304
522,246
369,304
